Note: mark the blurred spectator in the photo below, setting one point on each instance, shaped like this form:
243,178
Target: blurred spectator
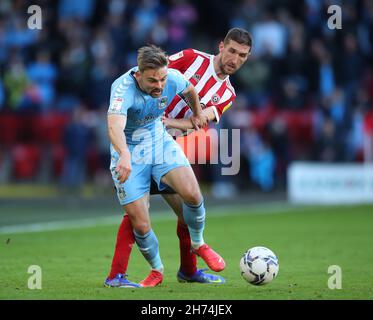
181,17
115,26
20,93
365,29
261,159
18,36
82,9
74,69
159,35
278,137
102,72
254,77
43,74
292,94
328,146
102,175
313,14
3,41
270,36
145,17
2,95
350,71
246,14
76,142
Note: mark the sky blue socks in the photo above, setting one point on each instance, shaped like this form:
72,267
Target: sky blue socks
148,245
194,217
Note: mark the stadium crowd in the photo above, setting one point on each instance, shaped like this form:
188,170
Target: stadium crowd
306,92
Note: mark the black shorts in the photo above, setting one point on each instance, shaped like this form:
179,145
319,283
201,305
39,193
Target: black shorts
154,189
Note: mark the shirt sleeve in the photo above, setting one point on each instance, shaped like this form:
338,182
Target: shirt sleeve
121,98
182,60
220,108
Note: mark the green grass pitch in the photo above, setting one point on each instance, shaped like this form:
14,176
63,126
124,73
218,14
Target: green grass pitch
307,240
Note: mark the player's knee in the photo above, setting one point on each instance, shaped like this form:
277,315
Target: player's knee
193,196
142,228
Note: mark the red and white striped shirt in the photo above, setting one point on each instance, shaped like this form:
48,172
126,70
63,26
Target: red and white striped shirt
213,92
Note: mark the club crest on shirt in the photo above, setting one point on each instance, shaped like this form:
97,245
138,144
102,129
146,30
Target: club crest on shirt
196,77
162,102
215,98
121,193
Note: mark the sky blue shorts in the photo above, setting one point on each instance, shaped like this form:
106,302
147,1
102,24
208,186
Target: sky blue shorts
148,162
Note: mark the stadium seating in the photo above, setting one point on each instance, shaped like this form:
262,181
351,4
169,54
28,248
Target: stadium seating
48,128
10,128
26,161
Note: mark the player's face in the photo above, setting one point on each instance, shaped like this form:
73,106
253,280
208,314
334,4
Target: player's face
232,56
152,81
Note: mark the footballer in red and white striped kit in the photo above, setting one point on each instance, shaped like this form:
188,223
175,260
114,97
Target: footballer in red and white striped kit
198,68
210,76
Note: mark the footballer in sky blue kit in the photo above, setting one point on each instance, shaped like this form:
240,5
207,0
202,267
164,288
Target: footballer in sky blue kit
142,150
154,152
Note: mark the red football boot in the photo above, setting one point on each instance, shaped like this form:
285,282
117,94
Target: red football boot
153,279
214,261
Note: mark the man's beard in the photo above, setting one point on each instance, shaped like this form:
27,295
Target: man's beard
155,93
223,71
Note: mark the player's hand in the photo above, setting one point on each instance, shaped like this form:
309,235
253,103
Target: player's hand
195,122
198,121
166,121
123,167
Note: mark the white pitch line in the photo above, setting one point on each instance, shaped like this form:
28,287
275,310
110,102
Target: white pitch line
257,209
59,225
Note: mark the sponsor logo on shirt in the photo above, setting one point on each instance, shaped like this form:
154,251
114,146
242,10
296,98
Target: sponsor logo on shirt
176,56
117,104
146,120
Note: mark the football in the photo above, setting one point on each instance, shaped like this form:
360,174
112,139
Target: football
259,265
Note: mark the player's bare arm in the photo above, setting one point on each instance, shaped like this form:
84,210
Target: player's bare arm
186,123
191,96
116,125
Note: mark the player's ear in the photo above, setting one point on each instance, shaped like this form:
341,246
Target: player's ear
221,46
137,74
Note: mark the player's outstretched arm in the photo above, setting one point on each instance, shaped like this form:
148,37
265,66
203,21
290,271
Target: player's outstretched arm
186,124
116,125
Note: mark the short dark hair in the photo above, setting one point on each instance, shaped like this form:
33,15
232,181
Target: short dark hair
151,57
239,35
